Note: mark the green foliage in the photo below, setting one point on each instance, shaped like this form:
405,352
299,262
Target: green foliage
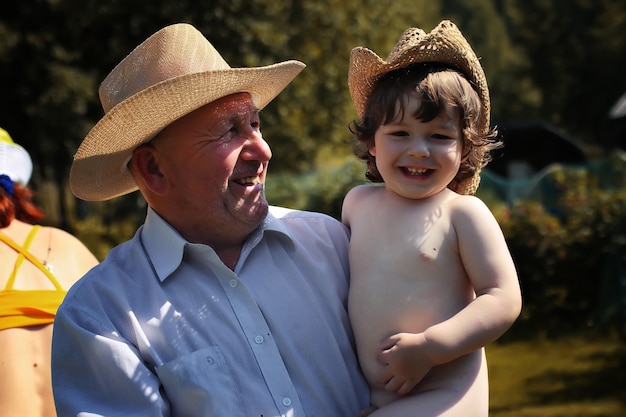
571,257
103,225
321,191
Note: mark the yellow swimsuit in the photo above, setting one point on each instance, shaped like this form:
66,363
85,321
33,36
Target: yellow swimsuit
23,308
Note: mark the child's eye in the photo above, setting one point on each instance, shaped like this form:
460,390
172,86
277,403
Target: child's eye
441,137
399,133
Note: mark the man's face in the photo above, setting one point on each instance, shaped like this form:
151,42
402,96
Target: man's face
215,160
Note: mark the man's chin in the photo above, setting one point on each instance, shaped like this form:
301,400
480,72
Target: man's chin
256,212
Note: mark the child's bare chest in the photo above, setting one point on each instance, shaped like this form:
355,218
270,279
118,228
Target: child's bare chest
417,235
406,267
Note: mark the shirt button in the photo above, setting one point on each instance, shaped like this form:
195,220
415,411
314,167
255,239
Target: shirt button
233,283
286,401
259,339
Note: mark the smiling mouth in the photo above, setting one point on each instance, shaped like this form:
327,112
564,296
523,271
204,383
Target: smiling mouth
248,181
417,171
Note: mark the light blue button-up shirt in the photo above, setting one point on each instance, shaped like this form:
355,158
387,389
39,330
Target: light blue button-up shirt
163,328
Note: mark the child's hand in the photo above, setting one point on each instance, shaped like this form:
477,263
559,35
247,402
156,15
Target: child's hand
404,360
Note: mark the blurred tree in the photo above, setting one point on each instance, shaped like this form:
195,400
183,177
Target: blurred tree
45,94
576,56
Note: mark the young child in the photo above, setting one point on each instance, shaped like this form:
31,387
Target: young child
432,279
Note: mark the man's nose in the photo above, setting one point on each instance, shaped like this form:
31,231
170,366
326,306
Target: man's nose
256,148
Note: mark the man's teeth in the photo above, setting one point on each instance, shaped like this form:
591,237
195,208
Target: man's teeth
247,180
417,171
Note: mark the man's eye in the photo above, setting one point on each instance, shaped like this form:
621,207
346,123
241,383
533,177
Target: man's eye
228,132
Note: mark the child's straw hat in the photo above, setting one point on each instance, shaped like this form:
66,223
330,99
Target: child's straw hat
444,44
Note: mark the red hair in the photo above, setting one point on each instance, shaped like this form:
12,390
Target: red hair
19,206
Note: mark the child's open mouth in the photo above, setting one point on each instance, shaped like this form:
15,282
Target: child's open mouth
417,171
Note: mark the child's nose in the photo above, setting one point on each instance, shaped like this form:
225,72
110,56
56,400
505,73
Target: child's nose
419,148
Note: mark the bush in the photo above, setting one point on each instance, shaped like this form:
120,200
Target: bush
571,256
321,191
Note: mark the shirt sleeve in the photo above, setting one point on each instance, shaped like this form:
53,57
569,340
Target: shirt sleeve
96,373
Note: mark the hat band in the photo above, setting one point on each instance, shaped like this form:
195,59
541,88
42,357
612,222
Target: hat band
7,183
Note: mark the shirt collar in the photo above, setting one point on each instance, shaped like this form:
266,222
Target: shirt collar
163,244
165,247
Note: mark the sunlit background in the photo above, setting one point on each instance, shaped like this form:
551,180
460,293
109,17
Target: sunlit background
556,71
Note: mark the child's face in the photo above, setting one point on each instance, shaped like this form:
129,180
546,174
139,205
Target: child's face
418,159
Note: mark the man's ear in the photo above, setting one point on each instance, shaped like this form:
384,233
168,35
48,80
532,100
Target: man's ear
145,168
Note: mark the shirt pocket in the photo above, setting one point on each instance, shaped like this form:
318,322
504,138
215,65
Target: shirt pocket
201,384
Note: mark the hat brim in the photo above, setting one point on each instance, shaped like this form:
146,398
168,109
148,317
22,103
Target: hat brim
99,172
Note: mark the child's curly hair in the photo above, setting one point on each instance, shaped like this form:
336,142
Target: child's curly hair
438,87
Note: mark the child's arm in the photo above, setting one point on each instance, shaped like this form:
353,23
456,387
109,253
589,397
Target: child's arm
488,264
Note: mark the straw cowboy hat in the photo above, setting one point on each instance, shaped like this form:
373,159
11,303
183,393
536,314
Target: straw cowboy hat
14,160
444,44
172,73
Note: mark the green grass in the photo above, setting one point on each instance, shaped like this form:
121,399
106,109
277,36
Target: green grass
566,377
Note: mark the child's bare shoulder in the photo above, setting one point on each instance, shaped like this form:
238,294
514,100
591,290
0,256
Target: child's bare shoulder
364,189
354,201
467,204
470,212
361,192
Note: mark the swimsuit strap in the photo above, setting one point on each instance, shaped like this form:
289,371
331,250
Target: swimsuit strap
23,253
